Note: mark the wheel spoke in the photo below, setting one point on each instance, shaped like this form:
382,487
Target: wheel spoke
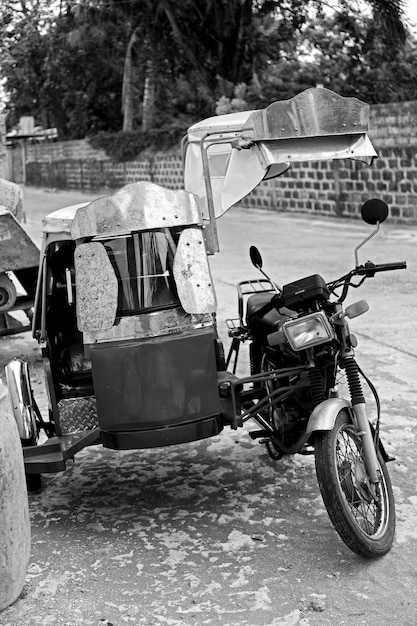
369,514
362,513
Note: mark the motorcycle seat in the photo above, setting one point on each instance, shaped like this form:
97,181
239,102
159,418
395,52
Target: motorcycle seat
255,303
269,322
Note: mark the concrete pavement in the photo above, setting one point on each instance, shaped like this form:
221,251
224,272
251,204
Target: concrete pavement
215,532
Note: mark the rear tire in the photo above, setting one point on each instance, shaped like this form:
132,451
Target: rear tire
365,523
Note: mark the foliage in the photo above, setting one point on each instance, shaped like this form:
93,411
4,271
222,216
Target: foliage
91,67
236,103
126,146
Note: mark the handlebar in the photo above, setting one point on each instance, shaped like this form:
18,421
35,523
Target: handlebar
367,271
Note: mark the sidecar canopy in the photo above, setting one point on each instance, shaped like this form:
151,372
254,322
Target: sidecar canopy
140,248
227,156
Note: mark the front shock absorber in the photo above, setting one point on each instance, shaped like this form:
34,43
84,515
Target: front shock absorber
362,423
316,386
354,383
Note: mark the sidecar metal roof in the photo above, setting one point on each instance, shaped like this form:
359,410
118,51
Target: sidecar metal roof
137,206
60,221
227,156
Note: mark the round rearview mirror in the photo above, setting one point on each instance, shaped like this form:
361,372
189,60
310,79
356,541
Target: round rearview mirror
374,211
255,257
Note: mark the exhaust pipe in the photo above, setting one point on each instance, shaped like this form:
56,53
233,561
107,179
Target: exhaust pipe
18,383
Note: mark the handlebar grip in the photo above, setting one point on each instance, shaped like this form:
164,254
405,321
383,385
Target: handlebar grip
387,267
370,269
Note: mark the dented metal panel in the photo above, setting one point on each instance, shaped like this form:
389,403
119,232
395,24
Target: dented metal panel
357,147
138,206
238,142
152,324
17,250
315,112
192,273
96,288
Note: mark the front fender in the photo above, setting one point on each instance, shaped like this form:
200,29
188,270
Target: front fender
324,415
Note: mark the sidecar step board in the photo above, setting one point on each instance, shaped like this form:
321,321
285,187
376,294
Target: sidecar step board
47,457
51,456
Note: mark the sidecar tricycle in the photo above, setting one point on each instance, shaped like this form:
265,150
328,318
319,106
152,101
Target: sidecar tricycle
125,307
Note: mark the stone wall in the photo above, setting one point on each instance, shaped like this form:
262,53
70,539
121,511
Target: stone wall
337,188
88,174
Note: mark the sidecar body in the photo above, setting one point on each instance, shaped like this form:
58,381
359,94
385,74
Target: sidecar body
124,314
125,303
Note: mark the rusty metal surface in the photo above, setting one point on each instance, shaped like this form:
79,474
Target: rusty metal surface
315,112
149,325
138,206
96,288
11,197
192,273
17,250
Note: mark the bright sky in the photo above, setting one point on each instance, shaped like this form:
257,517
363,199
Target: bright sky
410,9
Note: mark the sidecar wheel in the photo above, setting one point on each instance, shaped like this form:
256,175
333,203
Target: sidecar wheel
365,523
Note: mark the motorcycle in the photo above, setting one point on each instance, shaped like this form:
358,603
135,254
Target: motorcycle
125,318
300,348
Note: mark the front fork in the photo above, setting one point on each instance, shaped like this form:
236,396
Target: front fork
362,422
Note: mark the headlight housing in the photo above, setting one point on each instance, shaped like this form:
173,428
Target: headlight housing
308,331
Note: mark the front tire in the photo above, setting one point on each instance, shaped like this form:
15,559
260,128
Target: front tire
365,523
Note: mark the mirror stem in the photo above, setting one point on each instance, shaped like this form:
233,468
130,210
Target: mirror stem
276,287
364,242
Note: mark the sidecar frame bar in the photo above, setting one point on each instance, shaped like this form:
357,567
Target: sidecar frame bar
264,400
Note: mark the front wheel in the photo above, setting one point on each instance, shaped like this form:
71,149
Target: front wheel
362,514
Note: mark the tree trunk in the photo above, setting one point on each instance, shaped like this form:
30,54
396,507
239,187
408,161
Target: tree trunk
148,96
128,90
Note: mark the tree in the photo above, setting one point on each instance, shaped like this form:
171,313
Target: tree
63,70
92,65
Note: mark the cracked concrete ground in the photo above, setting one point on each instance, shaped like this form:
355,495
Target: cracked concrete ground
215,532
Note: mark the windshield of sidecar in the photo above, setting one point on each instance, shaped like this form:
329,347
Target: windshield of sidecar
143,264
139,250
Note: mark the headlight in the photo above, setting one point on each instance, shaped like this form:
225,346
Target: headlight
308,331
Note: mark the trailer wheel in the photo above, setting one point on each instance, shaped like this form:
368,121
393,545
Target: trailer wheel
7,293
14,508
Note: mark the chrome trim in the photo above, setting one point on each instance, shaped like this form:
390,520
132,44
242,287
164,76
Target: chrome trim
18,383
321,315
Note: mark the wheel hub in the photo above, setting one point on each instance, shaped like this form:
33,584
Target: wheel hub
362,484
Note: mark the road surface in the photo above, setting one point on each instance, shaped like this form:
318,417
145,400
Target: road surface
215,532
